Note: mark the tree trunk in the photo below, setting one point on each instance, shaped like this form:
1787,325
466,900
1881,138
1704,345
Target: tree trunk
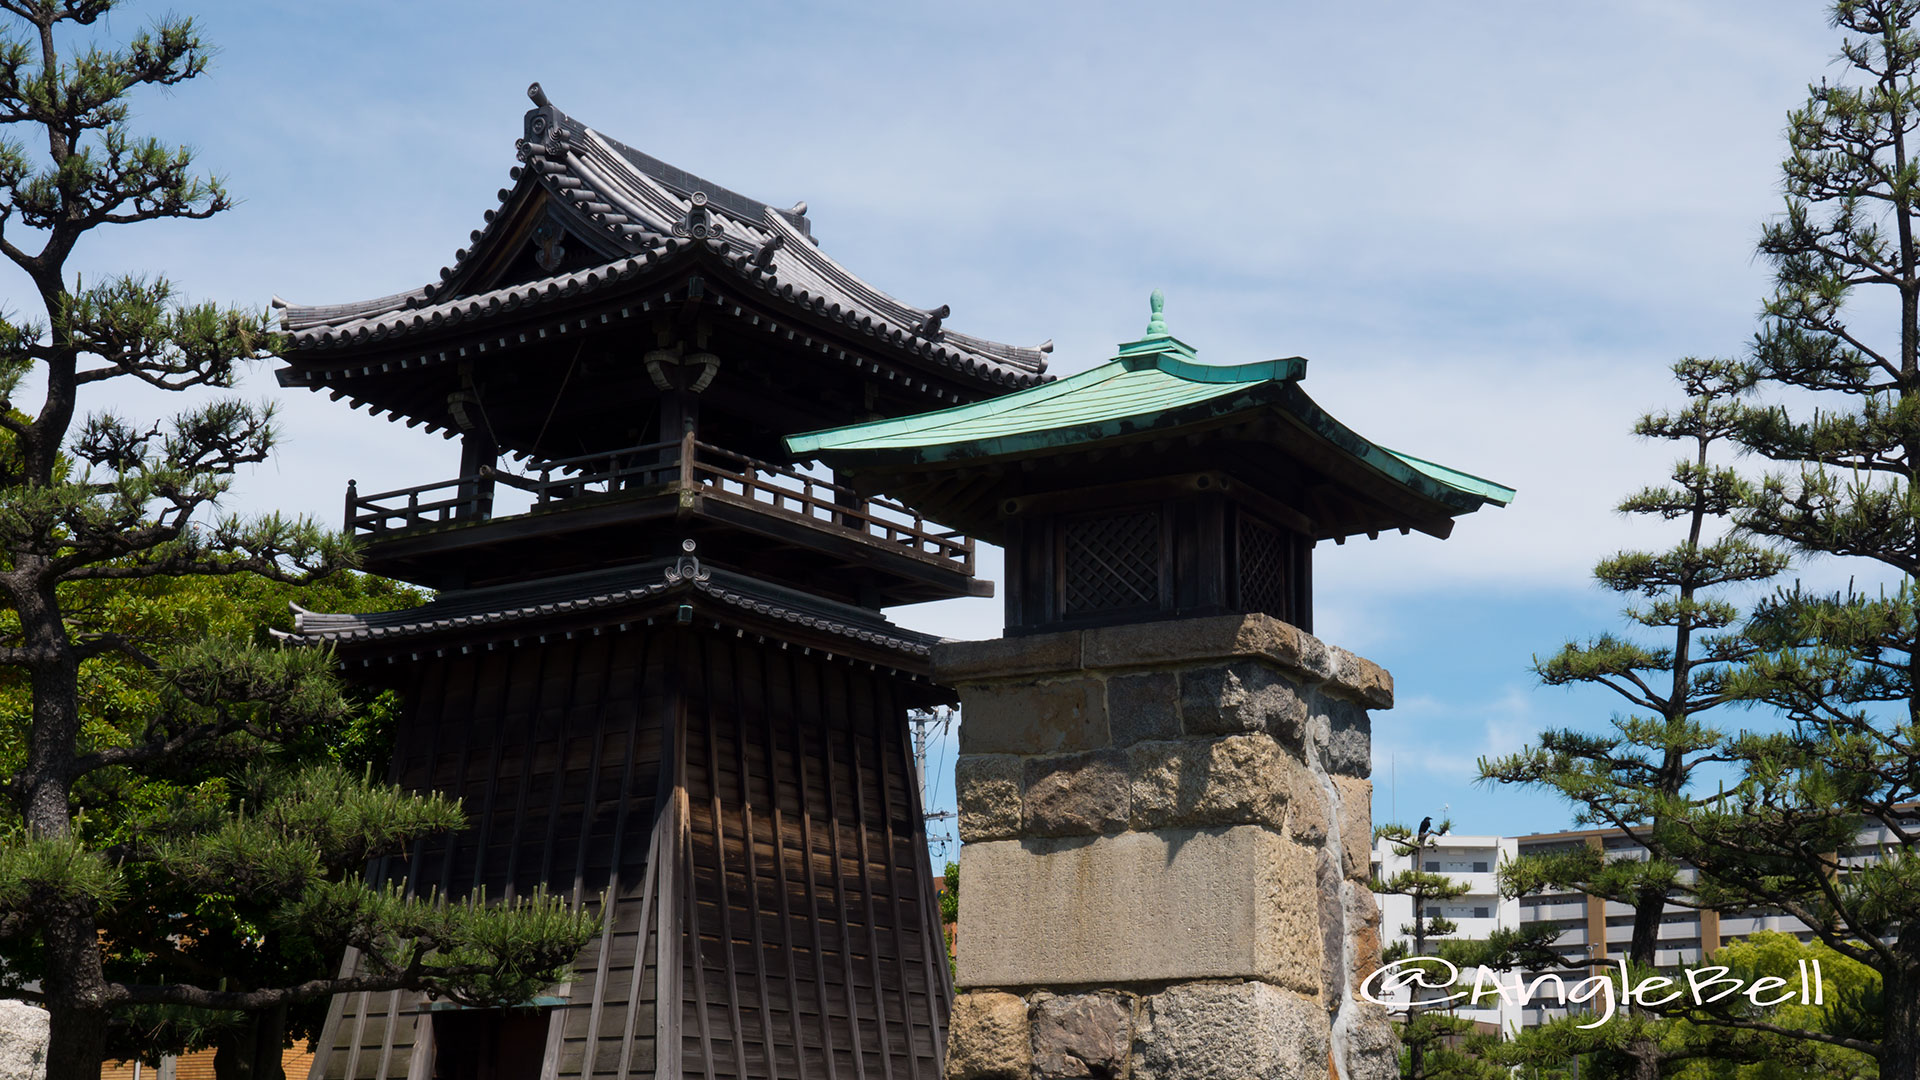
1646,929
1643,1055
76,1012
76,985
75,1037
1643,1059
1900,1041
253,1050
55,733
1416,1052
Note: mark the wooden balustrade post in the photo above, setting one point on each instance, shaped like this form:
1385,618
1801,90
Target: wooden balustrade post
686,460
353,505
844,496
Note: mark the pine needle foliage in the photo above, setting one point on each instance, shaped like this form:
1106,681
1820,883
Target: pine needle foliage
1834,403
177,859
1839,415
1670,669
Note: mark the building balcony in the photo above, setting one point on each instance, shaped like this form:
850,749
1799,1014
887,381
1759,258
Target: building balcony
639,502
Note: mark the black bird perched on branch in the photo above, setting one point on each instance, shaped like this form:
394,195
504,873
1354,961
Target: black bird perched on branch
1426,824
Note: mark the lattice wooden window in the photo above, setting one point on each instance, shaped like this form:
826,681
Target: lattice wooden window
1263,568
1111,563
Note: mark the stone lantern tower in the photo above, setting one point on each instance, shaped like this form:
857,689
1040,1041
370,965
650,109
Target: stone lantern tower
1163,777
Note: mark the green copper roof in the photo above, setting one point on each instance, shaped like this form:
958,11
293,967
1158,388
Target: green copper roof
1132,394
1253,420
1454,478
1125,395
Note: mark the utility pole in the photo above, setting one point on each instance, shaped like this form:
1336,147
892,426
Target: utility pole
923,722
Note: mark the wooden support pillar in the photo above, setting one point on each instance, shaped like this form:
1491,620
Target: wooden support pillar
679,413
679,419
844,495
478,455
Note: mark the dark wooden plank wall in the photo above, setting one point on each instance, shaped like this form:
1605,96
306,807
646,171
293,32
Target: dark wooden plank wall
818,955
793,865
556,752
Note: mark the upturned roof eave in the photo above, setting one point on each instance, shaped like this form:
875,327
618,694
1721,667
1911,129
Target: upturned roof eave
877,447
431,330
857,437
518,611
613,194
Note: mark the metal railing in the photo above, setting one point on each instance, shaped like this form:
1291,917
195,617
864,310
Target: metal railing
681,465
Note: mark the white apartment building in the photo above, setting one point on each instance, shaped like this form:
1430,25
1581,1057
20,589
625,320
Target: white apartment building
1473,861
1592,931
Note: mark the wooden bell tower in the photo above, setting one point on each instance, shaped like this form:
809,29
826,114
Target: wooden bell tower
656,667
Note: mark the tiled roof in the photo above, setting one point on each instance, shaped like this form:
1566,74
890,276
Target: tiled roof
641,211
469,611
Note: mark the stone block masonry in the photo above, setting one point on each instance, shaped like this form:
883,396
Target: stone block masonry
23,1041
1157,876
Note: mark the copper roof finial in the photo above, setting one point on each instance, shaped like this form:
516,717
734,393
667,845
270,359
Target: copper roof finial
1157,325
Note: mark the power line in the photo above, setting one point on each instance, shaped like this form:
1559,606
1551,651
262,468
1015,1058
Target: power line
940,723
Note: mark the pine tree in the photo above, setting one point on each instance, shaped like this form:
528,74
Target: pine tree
90,499
1439,1045
171,932
1627,778
1840,410
1838,404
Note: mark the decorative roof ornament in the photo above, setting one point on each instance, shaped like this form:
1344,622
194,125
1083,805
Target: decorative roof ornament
699,222
688,568
1157,323
934,318
1157,340
764,257
548,250
540,119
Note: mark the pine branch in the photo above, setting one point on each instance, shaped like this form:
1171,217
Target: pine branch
1871,1048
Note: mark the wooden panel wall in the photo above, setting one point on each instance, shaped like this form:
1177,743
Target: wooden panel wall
556,752
819,953
784,871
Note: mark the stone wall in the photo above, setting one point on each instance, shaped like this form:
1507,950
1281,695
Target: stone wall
23,1041
1166,831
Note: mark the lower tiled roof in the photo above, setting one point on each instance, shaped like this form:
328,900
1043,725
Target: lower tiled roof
468,611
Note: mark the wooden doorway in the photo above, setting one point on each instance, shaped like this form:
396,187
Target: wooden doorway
489,1044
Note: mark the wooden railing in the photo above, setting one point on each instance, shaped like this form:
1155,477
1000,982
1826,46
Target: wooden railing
628,468
684,464
415,507
824,502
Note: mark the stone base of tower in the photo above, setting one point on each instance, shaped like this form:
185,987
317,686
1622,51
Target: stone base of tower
1166,834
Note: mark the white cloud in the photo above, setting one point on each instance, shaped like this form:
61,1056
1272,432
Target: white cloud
1491,227
1443,739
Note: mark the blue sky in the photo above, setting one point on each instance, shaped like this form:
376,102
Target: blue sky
1490,226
